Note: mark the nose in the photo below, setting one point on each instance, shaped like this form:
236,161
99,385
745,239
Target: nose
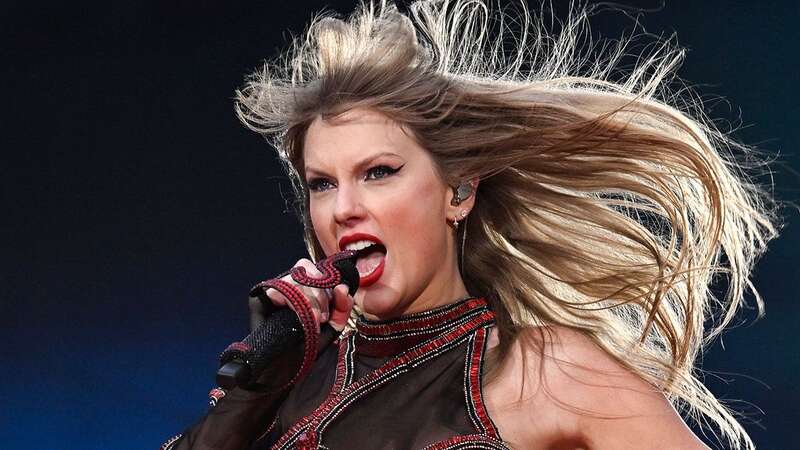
349,208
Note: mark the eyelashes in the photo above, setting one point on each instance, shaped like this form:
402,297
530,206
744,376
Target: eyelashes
382,171
374,173
318,184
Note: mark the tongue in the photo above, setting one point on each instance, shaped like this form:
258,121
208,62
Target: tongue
368,262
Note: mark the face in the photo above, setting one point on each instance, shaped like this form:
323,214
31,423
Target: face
372,186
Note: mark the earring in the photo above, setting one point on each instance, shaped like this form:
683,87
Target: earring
463,214
461,193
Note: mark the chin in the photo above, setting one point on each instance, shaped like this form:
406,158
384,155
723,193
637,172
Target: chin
379,302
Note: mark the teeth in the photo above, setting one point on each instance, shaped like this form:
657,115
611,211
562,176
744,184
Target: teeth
359,245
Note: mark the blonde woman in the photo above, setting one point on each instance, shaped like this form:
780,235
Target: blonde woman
536,236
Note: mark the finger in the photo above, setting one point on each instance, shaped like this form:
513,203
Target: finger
342,305
318,298
322,304
256,312
325,304
277,298
306,264
310,267
315,313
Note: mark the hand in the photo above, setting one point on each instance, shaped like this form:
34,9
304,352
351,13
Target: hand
330,306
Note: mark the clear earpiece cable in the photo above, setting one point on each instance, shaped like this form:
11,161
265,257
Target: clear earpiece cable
463,241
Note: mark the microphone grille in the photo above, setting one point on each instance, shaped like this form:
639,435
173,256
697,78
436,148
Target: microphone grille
347,267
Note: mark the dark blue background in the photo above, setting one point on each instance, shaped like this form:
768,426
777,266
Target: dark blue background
137,211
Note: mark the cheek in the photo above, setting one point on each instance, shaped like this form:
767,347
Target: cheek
419,224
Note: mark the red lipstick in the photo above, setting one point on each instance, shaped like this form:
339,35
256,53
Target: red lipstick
376,273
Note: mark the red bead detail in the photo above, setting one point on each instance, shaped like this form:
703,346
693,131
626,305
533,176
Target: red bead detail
393,337
488,443
419,323
302,307
238,346
307,440
341,366
377,377
215,395
330,274
475,384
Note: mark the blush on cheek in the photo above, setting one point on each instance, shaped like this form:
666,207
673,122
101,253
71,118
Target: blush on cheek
424,231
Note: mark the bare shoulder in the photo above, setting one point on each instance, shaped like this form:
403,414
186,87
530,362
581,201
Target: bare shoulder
558,389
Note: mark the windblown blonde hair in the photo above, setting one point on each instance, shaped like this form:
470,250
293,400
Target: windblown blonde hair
608,203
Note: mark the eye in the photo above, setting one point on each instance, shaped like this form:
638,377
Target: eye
319,184
378,172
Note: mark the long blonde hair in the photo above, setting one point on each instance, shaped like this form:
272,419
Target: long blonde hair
608,202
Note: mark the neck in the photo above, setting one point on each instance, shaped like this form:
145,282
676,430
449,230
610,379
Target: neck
445,287
448,292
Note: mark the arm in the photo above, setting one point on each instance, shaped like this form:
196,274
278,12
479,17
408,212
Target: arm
235,422
239,416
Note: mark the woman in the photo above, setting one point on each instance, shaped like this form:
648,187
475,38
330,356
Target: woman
536,240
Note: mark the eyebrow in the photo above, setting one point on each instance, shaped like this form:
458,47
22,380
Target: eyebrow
358,167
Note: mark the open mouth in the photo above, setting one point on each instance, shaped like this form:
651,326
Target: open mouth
370,259
370,256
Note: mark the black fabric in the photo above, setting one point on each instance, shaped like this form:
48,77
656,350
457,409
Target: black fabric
422,406
243,415
422,400
304,397
233,424
415,409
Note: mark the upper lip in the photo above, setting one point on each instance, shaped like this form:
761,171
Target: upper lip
349,238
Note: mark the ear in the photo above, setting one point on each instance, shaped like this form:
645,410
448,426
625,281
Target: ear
465,202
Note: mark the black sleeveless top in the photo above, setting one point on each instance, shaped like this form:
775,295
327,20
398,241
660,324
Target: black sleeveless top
408,383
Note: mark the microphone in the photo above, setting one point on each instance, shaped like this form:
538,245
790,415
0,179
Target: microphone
281,335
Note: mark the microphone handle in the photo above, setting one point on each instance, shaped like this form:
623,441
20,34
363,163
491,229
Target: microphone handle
278,338
277,352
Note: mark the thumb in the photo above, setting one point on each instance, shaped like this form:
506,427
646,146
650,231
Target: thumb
342,304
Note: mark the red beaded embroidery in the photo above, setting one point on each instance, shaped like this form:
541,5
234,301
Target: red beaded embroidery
436,332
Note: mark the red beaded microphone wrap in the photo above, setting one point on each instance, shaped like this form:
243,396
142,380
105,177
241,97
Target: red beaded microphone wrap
330,278
302,307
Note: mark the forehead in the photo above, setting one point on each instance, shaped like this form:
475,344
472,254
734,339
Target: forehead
353,136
